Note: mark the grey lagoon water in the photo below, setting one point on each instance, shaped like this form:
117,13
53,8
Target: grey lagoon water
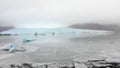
61,49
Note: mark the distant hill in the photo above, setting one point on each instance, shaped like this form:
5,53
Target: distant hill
4,28
94,26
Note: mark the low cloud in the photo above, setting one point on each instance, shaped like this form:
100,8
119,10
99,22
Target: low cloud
66,12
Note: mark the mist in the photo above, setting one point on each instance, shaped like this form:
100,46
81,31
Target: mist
59,12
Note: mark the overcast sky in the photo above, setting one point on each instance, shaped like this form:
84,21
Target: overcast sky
58,13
